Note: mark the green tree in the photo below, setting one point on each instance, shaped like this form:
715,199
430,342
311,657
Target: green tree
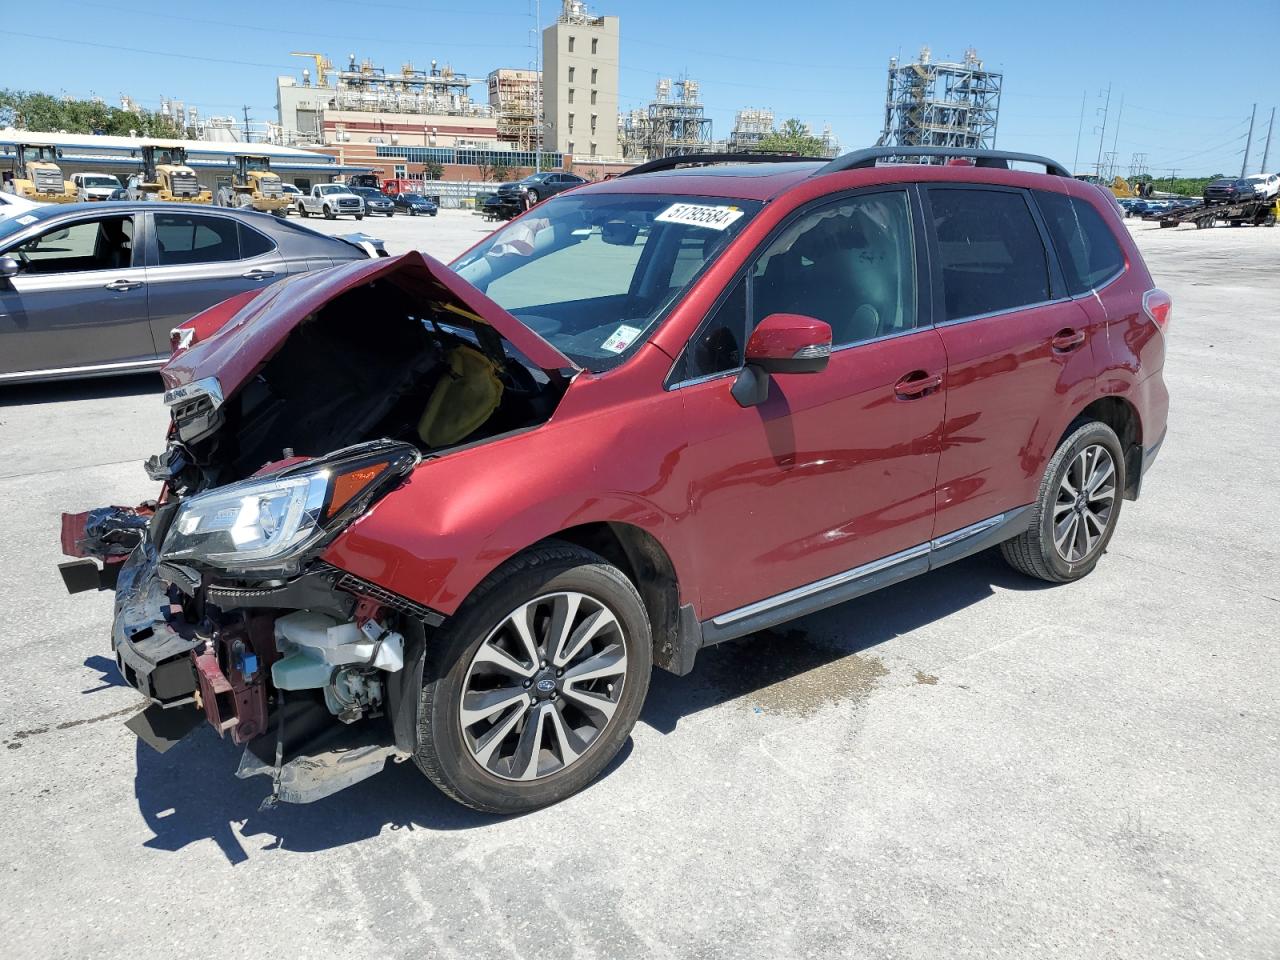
433,170
32,110
792,137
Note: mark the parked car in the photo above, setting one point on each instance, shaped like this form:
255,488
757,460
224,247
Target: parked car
92,290
375,201
458,514
539,186
12,205
331,200
1228,189
415,204
1265,185
95,186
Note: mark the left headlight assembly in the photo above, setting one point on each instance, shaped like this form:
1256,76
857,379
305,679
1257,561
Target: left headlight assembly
264,525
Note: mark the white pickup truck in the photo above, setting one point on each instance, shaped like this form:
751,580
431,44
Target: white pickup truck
331,200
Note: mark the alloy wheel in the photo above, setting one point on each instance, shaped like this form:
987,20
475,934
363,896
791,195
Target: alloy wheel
543,686
1086,498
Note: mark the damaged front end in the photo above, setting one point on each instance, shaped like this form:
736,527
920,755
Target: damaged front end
224,613
292,414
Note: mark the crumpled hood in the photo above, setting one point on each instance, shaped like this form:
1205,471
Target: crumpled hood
251,335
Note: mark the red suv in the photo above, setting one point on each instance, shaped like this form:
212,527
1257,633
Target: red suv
458,514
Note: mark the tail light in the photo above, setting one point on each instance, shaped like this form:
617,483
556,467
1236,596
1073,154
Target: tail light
1158,306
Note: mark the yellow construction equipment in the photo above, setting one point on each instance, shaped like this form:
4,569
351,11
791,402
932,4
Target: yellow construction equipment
166,176
1119,186
323,65
37,176
253,185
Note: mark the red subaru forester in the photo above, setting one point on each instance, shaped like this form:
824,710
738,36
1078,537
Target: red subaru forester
457,514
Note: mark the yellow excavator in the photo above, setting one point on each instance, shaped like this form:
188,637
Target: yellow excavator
1119,186
37,176
253,185
166,176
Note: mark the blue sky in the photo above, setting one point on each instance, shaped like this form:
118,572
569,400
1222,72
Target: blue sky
824,62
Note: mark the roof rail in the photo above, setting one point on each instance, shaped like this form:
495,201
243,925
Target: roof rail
702,159
997,159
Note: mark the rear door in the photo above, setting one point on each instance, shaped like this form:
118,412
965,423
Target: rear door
198,259
1018,349
835,469
80,299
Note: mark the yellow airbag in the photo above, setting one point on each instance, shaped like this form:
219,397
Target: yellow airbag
462,400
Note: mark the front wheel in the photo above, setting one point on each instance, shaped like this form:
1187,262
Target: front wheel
359,216
533,687
533,197
329,214
1076,510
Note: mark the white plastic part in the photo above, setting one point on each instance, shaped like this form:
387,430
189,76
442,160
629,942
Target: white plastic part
339,644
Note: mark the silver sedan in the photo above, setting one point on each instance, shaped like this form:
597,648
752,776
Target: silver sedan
95,289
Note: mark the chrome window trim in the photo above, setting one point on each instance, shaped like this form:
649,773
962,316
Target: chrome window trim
1001,313
858,573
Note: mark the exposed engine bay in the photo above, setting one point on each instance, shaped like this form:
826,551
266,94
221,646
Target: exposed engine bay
224,612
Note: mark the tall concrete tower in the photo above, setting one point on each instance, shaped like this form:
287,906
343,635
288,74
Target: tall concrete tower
580,83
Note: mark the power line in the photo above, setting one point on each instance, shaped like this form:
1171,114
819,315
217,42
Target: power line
150,53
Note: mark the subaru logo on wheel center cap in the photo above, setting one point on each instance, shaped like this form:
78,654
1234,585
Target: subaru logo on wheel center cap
546,685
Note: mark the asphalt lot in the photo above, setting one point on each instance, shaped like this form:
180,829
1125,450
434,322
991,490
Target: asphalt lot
968,765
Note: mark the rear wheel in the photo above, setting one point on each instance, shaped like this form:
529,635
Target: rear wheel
532,688
1076,510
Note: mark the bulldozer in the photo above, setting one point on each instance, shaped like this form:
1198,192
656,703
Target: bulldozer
37,176
1119,187
254,186
166,176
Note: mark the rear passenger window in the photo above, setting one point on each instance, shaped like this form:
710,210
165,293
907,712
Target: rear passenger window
1086,247
990,252
185,238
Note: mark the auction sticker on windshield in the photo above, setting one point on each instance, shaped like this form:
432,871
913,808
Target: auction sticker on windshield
620,339
699,215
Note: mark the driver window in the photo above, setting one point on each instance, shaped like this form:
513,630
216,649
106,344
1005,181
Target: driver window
849,263
105,244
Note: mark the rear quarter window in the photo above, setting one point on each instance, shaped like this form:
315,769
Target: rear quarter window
1087,249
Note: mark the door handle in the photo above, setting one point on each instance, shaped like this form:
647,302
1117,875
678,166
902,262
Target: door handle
1067,340
917,384
257,273
123,284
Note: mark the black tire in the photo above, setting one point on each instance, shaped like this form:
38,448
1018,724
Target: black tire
329,214
533,197
1033,552
442,753
303,212
413,212
359,216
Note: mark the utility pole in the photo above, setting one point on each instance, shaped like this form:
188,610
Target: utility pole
1102,134
245,108
1116,139
1266,151
1248,142
538,116
1075,164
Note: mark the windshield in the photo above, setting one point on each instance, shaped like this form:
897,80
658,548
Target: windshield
333,188
592,273
23,220
104,181
411,196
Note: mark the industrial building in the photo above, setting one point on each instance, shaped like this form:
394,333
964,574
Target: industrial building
940,103
750,126
671,125
580,83
212,162
514,97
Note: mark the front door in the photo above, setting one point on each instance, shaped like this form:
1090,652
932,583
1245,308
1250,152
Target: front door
80,299
836,469
199,259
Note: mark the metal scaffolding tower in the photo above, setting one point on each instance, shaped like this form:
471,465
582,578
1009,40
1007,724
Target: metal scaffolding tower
366,86
750,126
672,125
936,103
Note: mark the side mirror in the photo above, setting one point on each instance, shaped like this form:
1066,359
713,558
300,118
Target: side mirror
781,343
9,267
